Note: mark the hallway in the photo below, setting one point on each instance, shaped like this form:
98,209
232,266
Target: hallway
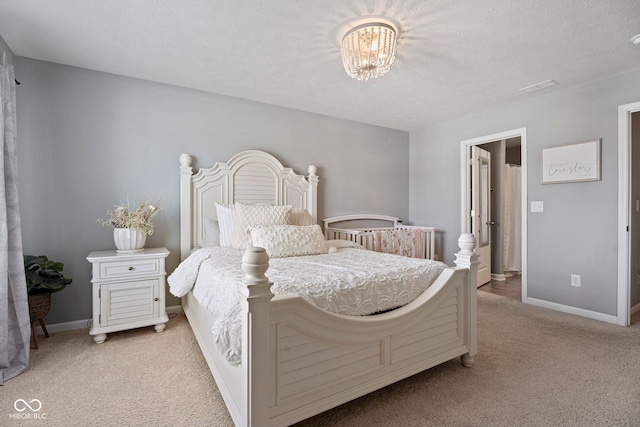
511,288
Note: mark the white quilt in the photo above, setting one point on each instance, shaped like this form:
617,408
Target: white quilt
347,281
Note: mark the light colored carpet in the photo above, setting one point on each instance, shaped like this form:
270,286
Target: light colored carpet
536,367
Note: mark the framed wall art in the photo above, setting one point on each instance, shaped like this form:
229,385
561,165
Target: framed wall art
575,162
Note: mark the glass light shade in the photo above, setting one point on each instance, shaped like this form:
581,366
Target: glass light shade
369,50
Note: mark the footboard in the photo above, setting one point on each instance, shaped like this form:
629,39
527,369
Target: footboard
319,360
364,236
299,360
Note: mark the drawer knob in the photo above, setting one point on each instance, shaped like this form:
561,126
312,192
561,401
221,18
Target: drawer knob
130,268
156,299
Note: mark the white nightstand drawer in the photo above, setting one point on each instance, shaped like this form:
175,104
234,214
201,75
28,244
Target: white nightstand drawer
128,269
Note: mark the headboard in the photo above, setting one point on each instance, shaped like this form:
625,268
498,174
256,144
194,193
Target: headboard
248,177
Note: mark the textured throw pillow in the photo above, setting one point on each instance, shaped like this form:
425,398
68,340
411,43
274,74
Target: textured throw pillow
289,240
211,232
299,216
226,223
255,215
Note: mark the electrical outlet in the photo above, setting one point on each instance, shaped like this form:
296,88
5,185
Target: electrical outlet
537,206
637,277
575,280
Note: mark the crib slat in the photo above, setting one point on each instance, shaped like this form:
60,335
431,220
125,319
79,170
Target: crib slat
365,236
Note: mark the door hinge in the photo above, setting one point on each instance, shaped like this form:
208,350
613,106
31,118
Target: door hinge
100,319
99,293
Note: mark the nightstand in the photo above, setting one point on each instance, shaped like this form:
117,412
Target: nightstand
128,291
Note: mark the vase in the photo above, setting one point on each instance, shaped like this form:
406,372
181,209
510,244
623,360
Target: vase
39,305
129,240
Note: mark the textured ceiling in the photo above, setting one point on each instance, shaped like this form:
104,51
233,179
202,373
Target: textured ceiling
454,57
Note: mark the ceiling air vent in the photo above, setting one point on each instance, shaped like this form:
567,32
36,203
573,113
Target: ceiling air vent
538,86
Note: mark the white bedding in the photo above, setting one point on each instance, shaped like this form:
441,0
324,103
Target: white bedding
345,281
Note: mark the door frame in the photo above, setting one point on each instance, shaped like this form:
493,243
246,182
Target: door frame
464,179
623,315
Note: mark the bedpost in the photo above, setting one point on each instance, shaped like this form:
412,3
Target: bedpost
255,298
313,193
185,205
469,259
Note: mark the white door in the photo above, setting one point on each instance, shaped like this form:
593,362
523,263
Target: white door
480,215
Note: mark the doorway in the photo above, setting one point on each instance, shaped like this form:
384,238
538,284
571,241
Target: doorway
628,212
634,217
507,151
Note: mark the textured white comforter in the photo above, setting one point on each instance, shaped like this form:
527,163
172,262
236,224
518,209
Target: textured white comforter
348,281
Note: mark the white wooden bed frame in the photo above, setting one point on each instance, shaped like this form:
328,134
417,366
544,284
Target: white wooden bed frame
365,235
299,360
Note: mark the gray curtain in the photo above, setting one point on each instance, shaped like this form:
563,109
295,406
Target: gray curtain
14,306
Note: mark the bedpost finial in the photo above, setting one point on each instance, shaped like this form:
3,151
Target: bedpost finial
313,170
467,243
255,262
185,159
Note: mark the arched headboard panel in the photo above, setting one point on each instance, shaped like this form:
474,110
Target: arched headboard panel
248,177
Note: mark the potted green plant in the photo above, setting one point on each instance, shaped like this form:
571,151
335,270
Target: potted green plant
44,277
131,226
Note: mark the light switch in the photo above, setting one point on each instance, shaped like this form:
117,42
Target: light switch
537,207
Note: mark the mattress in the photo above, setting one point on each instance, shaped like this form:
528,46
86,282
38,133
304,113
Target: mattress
346,281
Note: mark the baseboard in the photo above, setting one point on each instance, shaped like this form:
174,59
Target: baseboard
174,309
573,310
84,323
65,326
635,309
498,277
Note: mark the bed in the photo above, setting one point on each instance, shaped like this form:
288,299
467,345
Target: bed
298,360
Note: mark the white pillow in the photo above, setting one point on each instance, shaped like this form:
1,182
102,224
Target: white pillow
211,232
289,240
340,244
255,215
226,223
299,216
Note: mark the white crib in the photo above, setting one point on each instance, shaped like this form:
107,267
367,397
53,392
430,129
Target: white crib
365,235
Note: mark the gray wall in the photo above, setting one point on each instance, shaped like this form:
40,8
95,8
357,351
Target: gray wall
89,139
577,232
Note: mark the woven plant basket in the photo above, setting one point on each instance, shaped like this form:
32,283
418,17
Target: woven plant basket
39,305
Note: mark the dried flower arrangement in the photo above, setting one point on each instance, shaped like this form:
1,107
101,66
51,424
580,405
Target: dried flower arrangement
121,216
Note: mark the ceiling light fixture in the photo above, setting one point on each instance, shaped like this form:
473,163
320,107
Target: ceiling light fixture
635,39
369,49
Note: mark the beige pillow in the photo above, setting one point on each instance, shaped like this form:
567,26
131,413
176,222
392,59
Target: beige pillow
299,216
255,215
289,240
